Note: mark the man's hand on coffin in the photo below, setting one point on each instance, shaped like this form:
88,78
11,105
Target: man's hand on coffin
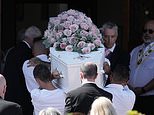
106,68
56,74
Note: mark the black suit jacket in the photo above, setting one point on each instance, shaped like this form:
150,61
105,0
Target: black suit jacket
118,56
16,87
80,99
9,108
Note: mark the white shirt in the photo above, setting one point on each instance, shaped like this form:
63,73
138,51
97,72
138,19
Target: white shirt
26,43
42,99
141,74
84,81
28,73
123,98
113,47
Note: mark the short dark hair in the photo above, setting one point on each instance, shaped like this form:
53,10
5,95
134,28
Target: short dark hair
89,70
121,73
42,72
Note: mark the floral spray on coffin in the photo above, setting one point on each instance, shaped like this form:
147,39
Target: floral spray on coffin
73,31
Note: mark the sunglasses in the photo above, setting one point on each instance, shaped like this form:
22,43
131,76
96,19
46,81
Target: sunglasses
150,31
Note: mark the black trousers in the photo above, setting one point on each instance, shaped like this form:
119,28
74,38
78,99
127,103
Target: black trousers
145,104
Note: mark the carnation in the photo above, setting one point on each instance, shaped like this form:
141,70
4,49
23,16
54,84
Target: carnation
72,31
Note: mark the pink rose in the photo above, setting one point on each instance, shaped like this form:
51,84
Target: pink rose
81,16
67,32
69,48
97,42
71,12
77,21
86,50
81,44
94,29
99,36
70,18
72,40
83,33
74,27
63,45
84,26
59,34
67,24
91,45
89,21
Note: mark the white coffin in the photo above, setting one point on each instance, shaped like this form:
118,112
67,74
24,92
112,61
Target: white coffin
68,63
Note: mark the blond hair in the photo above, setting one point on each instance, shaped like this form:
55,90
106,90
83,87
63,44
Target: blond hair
102,106
49,111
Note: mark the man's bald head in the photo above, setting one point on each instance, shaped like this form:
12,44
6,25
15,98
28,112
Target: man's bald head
89,70
2,86
2,80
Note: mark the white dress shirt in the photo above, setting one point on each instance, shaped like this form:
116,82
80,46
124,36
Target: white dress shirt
26,43
113,47
141,74
28,73
42,99
123,98
84,81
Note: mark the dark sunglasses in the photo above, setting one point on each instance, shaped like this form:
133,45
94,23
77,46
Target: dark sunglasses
150,31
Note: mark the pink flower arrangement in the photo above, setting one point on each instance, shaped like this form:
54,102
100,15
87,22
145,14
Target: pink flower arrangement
72,31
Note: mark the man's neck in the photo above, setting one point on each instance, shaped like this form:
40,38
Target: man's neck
112,48
84,81
48,86
1,97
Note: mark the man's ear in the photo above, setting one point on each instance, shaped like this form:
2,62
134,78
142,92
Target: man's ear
81,75
111,77
4,91
96,75
37,80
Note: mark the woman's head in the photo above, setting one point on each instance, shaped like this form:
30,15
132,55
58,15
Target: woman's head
102,106
49,111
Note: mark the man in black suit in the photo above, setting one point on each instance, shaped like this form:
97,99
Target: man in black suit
17,91
7,107
113,52
80,99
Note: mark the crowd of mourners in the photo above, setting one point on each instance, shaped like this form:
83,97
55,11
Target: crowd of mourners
27,87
